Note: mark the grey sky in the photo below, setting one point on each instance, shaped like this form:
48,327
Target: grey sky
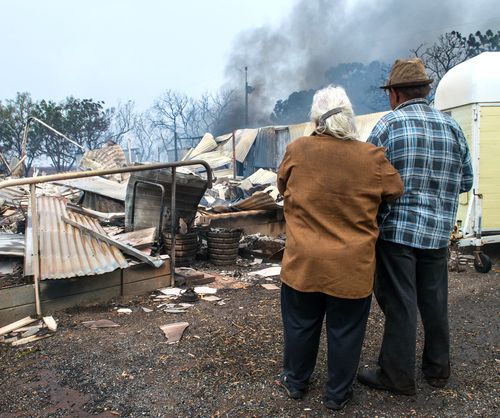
122,49
116,50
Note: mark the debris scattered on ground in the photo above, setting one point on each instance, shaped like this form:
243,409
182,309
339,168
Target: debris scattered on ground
270,286
124,310
204,290
211,298
171,291
27,330
173,332
268,272
100,323
50,322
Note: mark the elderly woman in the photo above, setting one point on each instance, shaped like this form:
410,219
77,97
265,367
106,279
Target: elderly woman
333,185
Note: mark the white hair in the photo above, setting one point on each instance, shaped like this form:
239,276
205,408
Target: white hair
340,125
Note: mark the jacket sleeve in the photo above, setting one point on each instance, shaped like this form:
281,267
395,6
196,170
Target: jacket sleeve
467,171
284,172
392,185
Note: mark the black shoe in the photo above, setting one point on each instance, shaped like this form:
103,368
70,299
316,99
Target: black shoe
437,382
373,379
336,406
291,392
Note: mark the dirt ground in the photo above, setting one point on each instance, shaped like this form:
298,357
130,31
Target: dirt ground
228,359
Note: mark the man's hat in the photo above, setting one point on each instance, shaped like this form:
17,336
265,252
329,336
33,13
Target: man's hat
407,73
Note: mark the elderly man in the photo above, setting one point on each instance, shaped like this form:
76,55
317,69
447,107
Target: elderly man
333,185
431,153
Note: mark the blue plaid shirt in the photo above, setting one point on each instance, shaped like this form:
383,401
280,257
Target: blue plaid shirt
430,151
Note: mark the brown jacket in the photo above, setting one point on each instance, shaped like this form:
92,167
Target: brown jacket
332,190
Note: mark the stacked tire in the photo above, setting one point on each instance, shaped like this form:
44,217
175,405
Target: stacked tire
223,246
186,247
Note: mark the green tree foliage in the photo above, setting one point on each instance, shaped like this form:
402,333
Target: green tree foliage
14,114
85,121
295,109
478,43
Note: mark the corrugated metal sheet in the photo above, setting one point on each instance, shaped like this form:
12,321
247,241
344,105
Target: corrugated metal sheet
99,185
366,123
244,139
262,176
206,144
302,129
258,201
105,158
215,159
12,244
15,195
64,251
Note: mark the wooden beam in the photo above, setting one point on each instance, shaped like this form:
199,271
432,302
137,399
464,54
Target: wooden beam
155,262
18,324
31,339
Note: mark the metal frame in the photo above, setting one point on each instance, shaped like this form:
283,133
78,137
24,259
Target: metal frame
33,181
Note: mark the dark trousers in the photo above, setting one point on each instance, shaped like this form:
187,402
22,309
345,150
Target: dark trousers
303,315
408,278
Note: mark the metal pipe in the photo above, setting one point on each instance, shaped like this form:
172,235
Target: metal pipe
173,227
32,118
234,155
36,252
82,174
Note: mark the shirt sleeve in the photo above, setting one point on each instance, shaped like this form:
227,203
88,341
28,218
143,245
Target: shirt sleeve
392,185
284,172
467,171
378,136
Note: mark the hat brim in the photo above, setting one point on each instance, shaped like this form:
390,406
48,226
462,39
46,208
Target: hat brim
410,84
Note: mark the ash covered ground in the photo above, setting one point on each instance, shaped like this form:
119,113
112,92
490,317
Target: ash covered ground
229,357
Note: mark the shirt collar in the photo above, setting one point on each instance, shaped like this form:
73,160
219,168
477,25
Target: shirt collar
411,102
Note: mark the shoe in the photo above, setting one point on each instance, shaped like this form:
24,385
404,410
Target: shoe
373,379
291,392
335,406
437,382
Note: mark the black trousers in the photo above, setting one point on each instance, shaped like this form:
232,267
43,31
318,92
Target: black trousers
303,315
408,278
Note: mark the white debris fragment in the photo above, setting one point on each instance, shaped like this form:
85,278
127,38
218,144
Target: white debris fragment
269,286
175,310
127,311
171,291
205,290
211,298
268,272
50,322
147,310
100,323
